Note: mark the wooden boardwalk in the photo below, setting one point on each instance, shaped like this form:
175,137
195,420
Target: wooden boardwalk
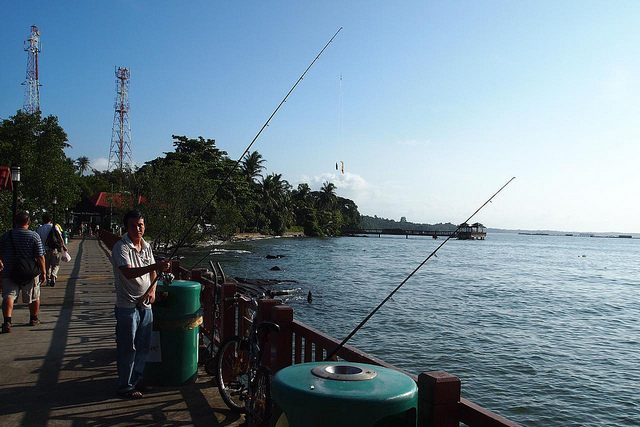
63,372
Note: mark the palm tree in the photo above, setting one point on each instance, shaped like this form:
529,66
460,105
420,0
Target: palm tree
274,190
82,163
301,194
252,165
328,198
275,201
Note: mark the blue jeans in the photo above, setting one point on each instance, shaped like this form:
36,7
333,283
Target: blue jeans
133,338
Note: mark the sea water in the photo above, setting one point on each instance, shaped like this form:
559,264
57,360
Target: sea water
543,330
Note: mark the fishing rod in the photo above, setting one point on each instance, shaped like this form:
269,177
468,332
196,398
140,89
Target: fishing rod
235,166
370,315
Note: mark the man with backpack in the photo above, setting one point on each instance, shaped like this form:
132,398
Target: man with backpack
53,247
23,269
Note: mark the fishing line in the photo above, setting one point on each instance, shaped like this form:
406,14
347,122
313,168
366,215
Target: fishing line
370,315
235,166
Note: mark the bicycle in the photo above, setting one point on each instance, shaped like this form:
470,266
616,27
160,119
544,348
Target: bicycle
244,382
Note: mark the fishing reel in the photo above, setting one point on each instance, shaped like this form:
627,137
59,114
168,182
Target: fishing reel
167,278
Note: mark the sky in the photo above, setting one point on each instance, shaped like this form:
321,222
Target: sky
431,105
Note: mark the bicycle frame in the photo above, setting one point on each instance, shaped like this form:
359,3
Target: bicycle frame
243,379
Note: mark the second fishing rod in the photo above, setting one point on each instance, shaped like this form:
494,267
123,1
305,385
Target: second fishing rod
229,174
397,288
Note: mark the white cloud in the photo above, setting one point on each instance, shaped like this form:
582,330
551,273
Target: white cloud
347,182
370,198
100,164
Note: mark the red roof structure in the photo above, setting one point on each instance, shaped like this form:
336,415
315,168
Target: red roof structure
5,178
117,200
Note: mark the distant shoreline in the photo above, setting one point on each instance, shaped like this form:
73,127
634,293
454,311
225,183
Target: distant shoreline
609,234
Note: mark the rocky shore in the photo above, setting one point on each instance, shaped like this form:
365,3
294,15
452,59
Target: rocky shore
241,237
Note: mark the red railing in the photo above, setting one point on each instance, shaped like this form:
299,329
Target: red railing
439,400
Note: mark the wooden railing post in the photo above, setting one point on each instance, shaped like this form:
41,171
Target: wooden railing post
283,340
227,311
264,309
438,397
196,273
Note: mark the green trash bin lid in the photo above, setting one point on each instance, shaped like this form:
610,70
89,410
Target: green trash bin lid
342,393
183,299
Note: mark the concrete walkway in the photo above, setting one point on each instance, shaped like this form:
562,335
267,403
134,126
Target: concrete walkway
63,372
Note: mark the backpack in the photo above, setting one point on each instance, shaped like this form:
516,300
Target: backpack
24,268
54,240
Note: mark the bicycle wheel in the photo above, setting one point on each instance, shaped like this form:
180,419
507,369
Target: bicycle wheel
259,404
232,372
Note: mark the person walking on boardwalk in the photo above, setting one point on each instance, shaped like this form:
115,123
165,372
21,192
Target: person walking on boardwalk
23,269
53,247
135,270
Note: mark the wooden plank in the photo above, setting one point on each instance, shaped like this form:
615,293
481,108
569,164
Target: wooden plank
307,350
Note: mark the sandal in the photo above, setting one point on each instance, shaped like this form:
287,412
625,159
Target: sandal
131,394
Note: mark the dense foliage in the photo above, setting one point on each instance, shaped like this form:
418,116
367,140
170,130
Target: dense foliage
198,180
196,186
37,144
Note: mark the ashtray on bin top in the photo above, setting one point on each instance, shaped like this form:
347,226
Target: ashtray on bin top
343,373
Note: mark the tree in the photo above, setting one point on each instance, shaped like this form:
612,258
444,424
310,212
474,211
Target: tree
328,198
82,163
197,180
275,202
350,214
302,202
252,165
37,145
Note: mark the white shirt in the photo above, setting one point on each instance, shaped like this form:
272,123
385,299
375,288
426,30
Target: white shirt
124,253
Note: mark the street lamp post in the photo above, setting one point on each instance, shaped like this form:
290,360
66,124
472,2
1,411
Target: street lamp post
15,179
55,202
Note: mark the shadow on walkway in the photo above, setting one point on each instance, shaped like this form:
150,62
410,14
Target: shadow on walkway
63,371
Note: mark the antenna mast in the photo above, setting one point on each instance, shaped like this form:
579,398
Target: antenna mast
120,150
32,85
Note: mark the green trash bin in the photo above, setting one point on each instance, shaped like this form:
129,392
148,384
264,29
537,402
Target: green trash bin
177,315
345,394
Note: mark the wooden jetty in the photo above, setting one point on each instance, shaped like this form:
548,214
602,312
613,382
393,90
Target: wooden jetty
440,402
474,231
63,372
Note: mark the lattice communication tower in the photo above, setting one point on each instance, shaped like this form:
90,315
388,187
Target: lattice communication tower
32,84
120,151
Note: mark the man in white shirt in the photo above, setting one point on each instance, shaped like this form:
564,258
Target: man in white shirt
135,271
